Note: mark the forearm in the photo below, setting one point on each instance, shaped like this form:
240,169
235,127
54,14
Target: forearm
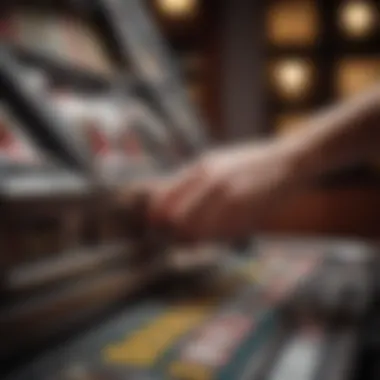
345,134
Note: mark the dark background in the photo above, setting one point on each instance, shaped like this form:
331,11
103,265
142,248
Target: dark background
258,66
253,69
264,67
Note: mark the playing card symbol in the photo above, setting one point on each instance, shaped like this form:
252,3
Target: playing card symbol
9,144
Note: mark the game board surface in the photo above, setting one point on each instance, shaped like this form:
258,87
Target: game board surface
212,327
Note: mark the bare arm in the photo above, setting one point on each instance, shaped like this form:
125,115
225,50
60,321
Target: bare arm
228,192
342,135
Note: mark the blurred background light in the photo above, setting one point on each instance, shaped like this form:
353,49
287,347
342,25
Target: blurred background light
289,122
292,78
358,18
177,8
355,75
293,22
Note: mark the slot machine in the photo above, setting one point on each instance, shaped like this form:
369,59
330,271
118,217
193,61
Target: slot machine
88,292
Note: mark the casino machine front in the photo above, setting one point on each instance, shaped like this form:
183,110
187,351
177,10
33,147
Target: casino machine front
87,292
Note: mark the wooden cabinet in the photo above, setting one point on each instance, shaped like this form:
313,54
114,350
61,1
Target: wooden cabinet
344,211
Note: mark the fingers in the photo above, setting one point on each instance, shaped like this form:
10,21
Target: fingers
193,212
217,213
195,206
161,195
165,197
209,210
194,203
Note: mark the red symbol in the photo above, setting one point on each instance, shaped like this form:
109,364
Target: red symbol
98,141
6,138
9,144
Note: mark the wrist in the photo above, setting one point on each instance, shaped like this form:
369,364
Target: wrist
292,162
335,138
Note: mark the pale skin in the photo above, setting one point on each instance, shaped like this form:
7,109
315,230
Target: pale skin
225,193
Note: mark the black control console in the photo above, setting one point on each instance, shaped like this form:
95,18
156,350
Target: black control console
266,317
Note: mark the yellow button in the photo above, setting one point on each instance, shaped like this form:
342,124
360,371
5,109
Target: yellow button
189,371
144,346
251,272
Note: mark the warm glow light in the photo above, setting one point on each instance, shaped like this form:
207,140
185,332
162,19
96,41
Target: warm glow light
293,22
292,78
358,18
177,8
289,123
356,75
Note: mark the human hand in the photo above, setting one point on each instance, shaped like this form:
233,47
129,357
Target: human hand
225,193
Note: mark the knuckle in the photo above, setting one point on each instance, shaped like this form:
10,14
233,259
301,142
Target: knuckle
230,189
220,186
180,220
